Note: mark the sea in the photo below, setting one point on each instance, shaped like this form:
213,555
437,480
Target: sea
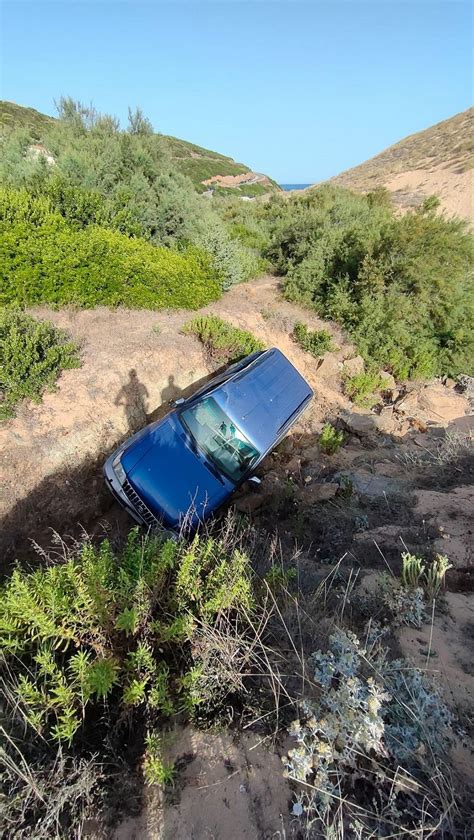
287,187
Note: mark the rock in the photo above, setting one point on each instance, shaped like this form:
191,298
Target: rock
317,492
449,383
250,503
360,423
354,366
294,465
386,422
368,484
433,404
441,403
408,403
310,454
389,386
329,366
418,424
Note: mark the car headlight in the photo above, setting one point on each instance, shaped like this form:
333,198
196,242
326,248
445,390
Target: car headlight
118,469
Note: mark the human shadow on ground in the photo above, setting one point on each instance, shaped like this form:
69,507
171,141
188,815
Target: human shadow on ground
132,396
75,499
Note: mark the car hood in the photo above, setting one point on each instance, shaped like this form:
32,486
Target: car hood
171,478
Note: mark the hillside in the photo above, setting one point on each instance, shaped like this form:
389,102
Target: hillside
202,166
322,529
437,161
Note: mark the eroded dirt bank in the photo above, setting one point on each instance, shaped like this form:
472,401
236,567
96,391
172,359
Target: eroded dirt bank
132,363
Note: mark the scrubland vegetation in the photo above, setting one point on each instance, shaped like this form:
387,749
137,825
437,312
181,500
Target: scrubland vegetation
223,342
96,215
97,642
401,285
102,638
95,195
32,354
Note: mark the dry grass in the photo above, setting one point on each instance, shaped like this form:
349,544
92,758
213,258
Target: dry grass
449,143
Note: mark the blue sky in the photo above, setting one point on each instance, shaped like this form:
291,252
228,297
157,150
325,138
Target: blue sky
300,90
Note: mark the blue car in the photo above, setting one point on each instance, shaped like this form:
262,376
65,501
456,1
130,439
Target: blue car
178,471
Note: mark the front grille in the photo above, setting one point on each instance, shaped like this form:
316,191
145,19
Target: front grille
139,505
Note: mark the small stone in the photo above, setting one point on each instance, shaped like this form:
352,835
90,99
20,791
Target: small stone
352,367
388,381
360,423
293,465
318,492
329,366
385,422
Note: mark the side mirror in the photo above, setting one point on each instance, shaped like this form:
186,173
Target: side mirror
254,480
180,401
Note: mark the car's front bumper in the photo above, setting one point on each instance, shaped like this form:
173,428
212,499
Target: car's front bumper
131,501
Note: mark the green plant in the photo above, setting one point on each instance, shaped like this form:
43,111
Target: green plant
32,355
279,578
412,570
222,341
100,638
43,259
382,276
155,770
330,439
362,388
98,623
429,576
316,342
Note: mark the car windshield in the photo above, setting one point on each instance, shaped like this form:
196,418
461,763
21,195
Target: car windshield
217,436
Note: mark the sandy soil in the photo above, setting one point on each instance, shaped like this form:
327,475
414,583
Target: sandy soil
454,189
228,788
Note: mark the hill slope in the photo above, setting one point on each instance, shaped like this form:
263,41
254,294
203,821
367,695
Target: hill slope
437,161
199,164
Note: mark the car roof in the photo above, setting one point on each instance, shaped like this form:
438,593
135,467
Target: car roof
261,398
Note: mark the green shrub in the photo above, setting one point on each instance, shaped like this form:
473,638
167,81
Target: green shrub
330,439
222,341
99,628
45,260
384,277
362,388
32,355
233,262
155,770
316,342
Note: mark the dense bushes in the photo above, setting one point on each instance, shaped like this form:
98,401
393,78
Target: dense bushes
222,341
32,355
402,286
44,259
92,173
